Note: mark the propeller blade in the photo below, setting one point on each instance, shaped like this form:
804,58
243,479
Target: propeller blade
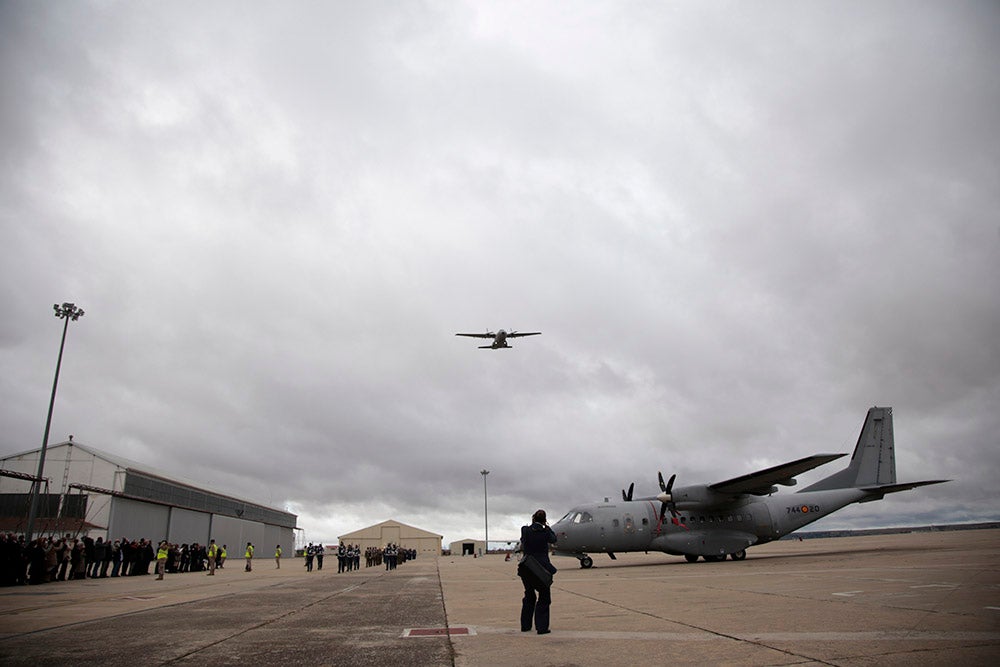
667,498
628,496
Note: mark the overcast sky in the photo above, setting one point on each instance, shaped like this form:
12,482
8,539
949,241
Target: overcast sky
738,226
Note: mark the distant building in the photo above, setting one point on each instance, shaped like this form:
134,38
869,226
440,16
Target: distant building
469,547
94,493
407,537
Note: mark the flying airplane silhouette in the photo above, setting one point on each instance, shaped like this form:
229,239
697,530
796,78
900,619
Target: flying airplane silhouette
717,520
499,338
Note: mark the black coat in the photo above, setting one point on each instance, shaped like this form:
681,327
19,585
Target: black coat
535,541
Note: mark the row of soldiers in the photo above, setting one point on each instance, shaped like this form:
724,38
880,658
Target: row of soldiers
53,558
349,556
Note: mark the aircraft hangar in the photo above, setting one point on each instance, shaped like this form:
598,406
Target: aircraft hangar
90,492
468,547
424,542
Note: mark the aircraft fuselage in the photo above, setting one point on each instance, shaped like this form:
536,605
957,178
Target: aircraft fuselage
708,531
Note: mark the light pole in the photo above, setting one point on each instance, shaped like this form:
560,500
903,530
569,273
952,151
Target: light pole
67,311
486,510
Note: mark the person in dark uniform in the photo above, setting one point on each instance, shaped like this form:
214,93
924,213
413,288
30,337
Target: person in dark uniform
535,541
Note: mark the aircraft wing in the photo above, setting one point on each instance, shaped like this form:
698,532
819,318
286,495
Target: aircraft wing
482,335
518,334
760,482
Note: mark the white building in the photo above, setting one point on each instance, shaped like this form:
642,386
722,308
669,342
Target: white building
98,494
468,547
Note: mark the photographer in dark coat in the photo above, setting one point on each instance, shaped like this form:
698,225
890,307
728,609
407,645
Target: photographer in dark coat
535,541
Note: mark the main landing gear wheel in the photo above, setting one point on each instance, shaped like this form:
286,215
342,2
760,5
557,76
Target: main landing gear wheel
691,558
739,555
586,562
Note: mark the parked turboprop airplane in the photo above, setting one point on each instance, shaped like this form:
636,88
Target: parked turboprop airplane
499,338
723,519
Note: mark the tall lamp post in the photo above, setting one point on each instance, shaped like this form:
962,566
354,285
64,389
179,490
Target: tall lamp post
67,311
486,510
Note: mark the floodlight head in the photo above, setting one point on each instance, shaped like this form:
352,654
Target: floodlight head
68,310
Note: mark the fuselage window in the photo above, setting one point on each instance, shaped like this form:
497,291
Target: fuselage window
729,518
739,517
702,519
645,521
614,522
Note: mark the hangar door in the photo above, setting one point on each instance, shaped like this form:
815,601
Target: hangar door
134,519
390,534
188,526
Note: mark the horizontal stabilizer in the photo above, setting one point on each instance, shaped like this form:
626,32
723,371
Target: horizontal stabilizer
883,489
760,482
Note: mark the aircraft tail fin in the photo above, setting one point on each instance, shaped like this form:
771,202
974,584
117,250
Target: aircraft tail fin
873,463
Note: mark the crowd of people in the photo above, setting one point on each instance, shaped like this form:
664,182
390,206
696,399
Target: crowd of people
53,558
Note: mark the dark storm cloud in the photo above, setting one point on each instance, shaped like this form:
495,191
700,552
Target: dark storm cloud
737,228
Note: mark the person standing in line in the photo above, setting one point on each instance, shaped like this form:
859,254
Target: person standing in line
535,541
249,556
277,556
116,558
309,553
212,551
161,560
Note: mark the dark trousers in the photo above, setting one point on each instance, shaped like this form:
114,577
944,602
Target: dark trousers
539,609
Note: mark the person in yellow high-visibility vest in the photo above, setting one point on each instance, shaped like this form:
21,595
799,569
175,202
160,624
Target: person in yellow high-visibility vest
213,550
249,556
161,560
277,556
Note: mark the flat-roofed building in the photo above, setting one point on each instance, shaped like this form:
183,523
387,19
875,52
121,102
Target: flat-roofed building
90,492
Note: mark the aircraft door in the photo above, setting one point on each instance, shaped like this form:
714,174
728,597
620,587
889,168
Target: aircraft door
762,523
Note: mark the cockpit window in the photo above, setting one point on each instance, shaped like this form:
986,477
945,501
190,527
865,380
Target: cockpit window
565,517
583,517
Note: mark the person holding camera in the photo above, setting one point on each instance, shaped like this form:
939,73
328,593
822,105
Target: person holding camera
536,572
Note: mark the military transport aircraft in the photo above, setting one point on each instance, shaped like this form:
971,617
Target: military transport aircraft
499,338
723,519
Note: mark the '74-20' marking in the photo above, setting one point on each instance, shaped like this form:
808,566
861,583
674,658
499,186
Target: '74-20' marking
802,509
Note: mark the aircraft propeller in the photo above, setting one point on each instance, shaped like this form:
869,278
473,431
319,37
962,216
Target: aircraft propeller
667,499
628,496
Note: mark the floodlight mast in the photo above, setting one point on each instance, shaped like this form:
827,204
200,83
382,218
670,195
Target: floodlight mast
67,311
486,511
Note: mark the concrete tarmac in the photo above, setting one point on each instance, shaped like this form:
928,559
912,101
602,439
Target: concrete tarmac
913,599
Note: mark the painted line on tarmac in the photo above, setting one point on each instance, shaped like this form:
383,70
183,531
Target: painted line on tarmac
902,635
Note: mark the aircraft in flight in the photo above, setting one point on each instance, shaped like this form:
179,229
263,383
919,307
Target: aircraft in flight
724,519
499,338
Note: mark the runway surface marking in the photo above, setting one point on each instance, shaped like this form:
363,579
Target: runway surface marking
900,635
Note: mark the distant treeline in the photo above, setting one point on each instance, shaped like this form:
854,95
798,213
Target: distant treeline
891,531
